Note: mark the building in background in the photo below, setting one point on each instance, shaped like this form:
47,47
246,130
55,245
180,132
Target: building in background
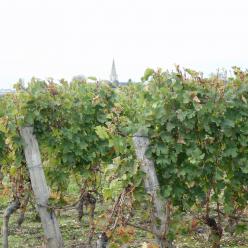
114,76
6,91
113,79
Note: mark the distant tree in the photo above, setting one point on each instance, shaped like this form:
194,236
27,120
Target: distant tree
79,79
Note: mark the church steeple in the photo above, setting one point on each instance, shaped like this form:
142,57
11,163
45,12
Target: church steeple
113,74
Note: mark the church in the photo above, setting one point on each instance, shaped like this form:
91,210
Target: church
114,77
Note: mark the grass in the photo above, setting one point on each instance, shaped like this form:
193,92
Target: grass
76,236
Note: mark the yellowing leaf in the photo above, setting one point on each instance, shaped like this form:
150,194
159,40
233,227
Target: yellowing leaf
244,99
12,170
149,245
196,99
101,132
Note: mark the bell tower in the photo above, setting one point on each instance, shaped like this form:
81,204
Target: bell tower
113,75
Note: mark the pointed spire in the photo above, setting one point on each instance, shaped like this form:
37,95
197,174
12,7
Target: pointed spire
113,74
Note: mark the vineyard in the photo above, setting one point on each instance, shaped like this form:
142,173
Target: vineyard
160,163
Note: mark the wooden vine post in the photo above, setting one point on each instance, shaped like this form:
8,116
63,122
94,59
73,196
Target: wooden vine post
161,214
40,189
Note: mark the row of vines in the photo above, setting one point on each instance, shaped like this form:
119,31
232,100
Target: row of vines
174,146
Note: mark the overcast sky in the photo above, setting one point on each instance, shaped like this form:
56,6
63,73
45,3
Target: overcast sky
63,38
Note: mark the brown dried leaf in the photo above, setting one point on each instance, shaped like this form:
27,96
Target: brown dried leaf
181,141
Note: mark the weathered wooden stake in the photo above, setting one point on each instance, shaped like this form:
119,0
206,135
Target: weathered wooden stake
161,214
40,188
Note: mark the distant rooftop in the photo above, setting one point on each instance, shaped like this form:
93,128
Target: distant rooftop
6,91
